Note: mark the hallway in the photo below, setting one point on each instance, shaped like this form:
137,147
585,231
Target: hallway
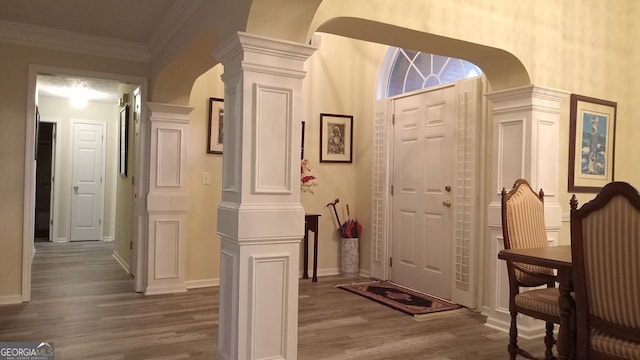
83,302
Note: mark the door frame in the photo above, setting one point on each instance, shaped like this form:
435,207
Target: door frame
385,107
53,226
28,216
140,180
72,124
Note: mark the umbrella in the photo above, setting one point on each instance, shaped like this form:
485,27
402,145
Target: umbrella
351,228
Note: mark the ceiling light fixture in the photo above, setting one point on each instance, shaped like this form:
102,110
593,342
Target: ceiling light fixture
78,97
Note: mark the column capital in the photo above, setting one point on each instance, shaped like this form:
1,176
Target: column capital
168,112
248,52
527,96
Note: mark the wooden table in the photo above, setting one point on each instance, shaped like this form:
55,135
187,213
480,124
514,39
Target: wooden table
559,258
310,224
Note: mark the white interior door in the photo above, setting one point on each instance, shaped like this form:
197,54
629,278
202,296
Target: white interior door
424,154
87,191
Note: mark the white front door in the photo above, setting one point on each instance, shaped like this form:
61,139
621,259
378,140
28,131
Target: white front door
86,181
423,182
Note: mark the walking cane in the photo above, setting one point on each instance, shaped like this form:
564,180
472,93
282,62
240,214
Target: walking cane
333,204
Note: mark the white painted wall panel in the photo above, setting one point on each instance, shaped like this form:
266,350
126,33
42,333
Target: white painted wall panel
167,251
511,153
273,140
269,295
169,157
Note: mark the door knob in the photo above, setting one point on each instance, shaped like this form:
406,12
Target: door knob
446,203
75,188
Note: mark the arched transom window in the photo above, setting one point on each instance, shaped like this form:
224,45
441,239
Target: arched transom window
413,70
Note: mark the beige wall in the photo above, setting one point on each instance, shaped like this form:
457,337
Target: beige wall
203,242
341,79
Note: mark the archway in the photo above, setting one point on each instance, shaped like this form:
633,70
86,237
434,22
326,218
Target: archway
495,62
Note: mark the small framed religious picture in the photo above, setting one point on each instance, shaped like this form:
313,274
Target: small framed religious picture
336,138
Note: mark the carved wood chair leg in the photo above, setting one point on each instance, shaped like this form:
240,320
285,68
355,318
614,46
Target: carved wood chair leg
549,341
513,337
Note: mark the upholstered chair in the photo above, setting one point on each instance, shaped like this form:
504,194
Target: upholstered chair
605,252
523,226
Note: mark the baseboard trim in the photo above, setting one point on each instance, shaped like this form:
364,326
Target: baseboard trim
121,261
364,273
108,239
10,299
203,283
537,330
165,289
60,240
321,272
497,324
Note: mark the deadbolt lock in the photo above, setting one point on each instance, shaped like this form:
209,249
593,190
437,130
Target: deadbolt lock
447,188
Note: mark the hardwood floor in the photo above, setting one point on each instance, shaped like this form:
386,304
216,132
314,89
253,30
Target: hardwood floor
84,302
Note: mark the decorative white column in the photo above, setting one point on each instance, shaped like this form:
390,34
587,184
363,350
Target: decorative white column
167,201
526,140
260,218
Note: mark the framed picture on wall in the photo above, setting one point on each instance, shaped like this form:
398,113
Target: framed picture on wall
336,138
592,131
216,121
124,139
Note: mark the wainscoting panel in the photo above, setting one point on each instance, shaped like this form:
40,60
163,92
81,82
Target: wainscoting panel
167,249
169,167
272,140
269,300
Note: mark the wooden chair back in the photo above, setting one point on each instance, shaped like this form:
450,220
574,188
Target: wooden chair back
605,249
523,227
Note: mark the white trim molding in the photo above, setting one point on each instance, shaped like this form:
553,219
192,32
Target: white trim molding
202,283
48,38
10,299
121,261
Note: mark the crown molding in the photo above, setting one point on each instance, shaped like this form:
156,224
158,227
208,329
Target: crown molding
176,18
43,37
